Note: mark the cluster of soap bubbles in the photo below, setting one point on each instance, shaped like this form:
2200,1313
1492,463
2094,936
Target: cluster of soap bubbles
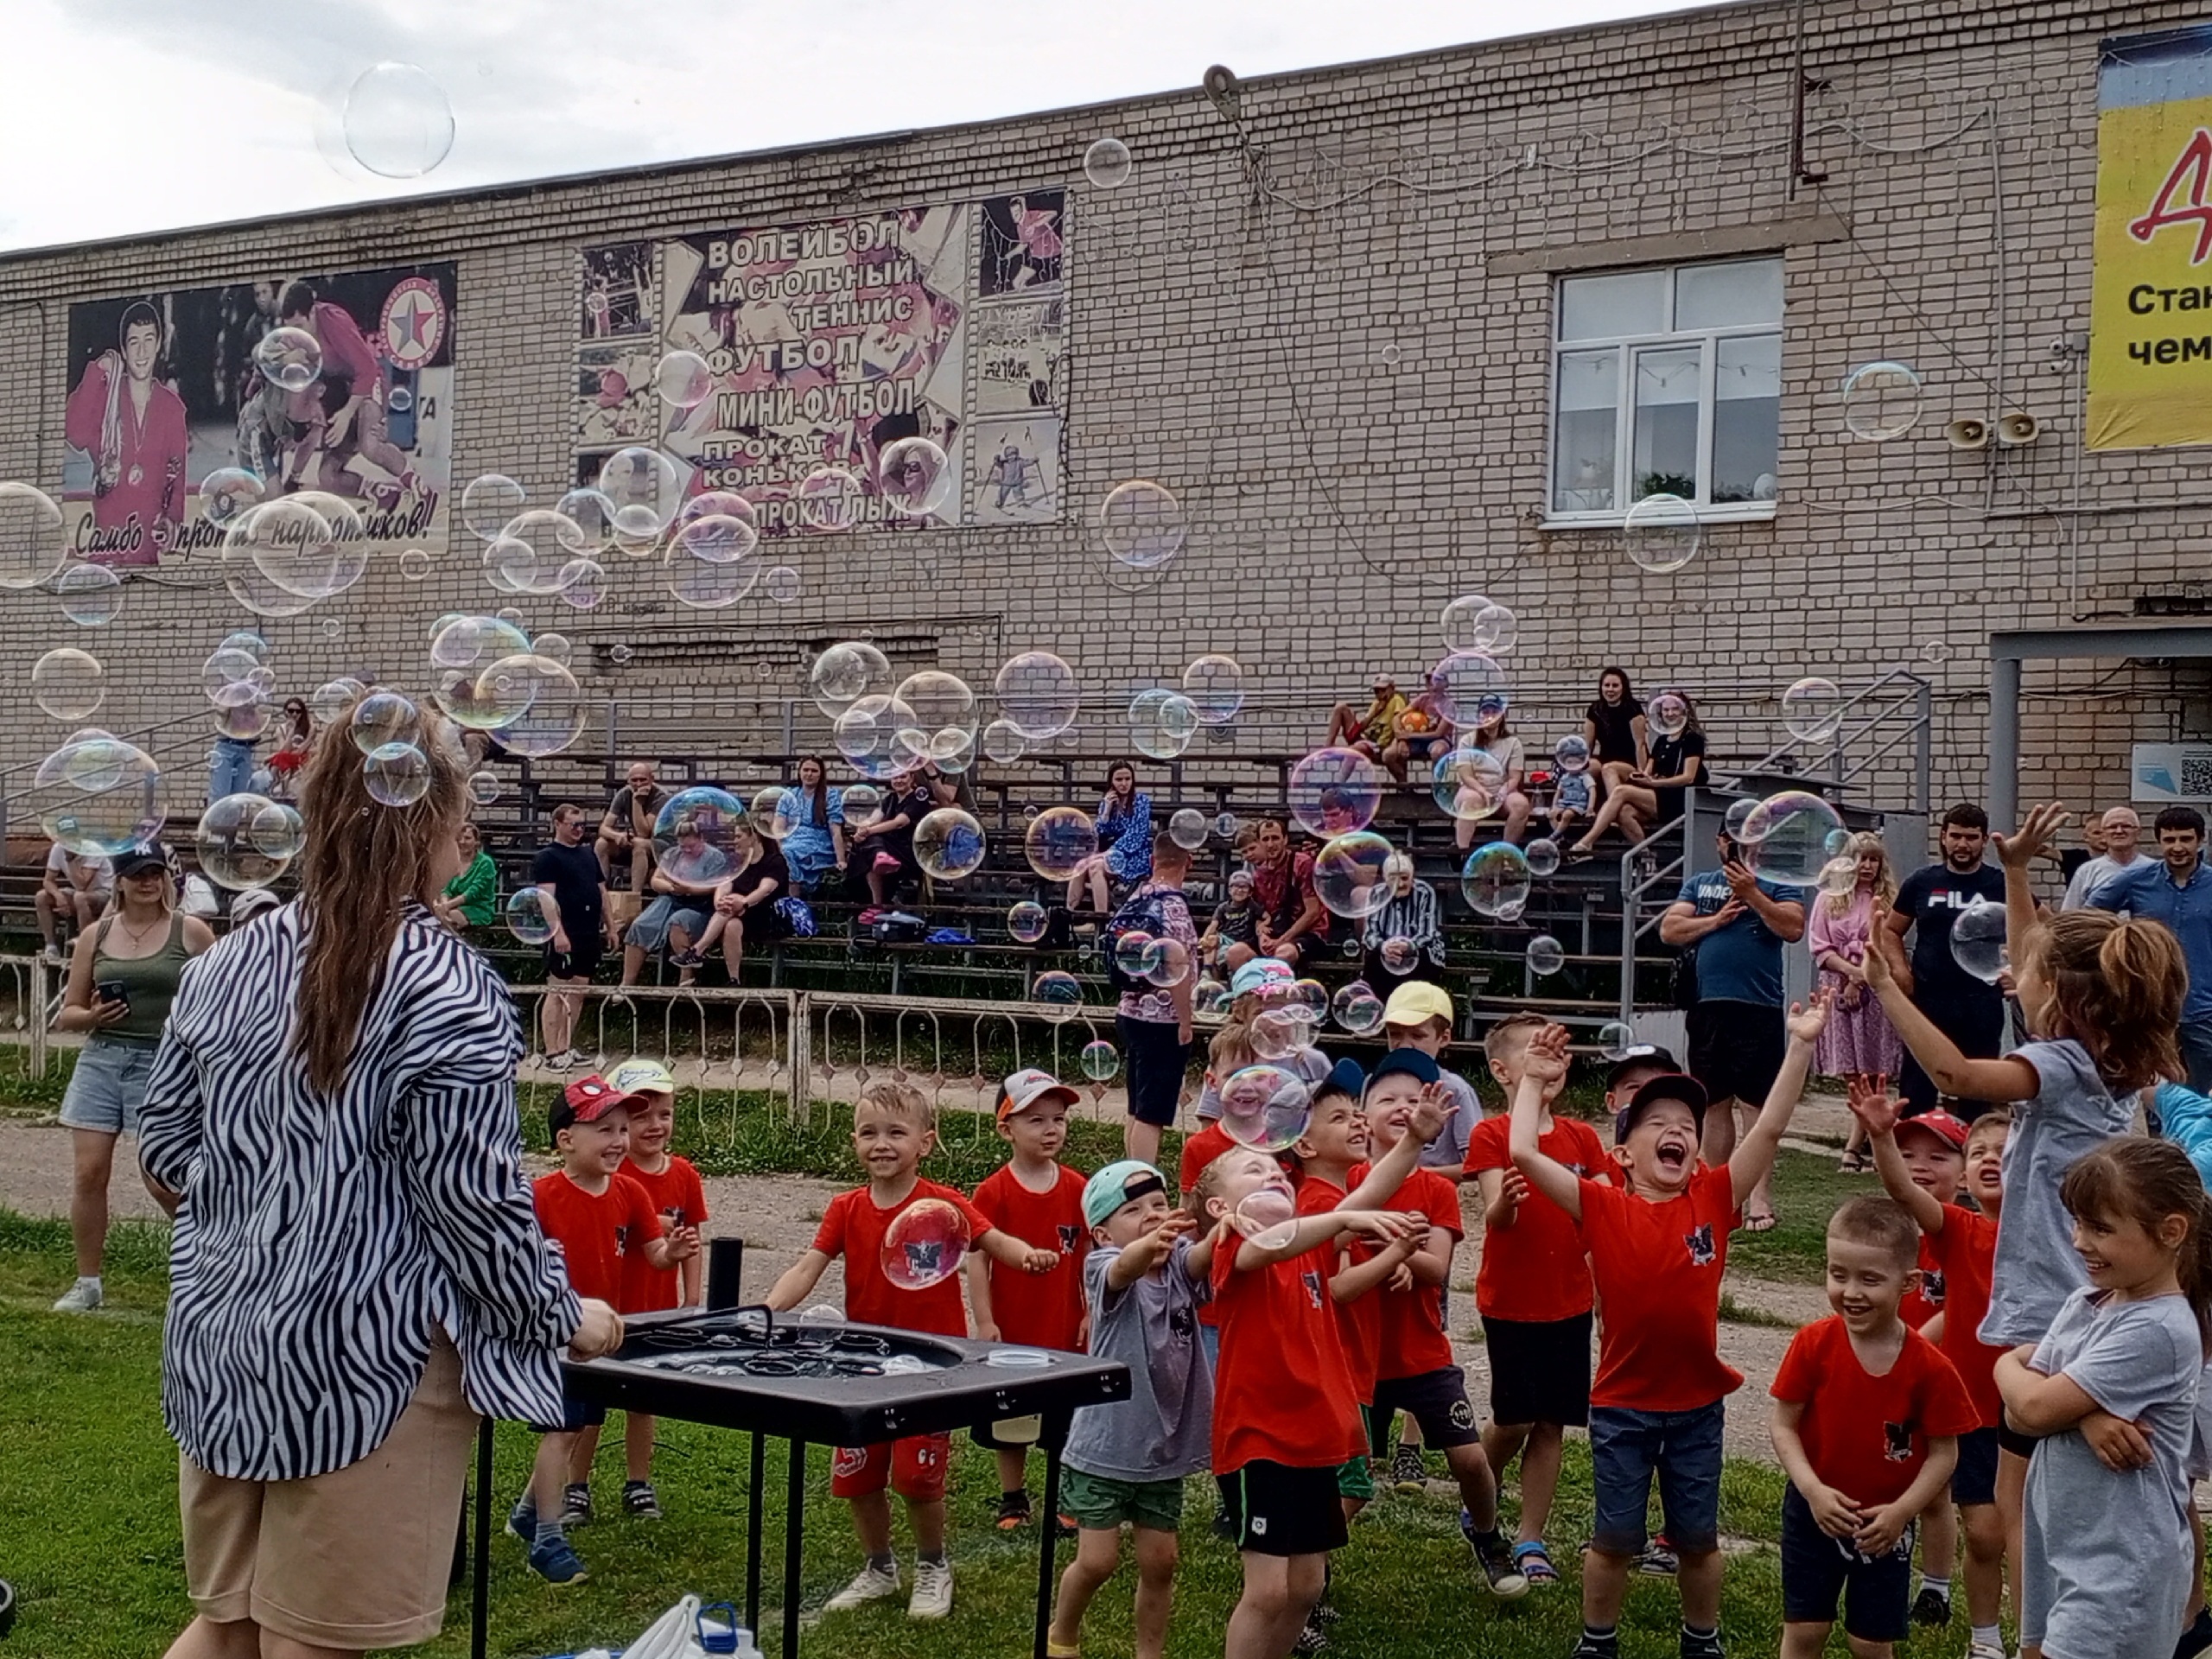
486,675
97,795
1472,623
246,840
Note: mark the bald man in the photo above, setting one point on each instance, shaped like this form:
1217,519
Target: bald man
2122,831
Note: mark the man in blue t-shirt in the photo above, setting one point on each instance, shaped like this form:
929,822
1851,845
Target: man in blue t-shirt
2176,889
1739,925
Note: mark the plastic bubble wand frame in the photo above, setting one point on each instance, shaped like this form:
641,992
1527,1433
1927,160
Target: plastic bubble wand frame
822,1383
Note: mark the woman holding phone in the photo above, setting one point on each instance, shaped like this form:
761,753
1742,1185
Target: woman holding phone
122,977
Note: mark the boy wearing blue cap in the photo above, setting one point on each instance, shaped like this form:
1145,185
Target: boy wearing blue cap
1144,1279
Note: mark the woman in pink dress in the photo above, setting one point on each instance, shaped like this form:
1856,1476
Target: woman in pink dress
1858,1043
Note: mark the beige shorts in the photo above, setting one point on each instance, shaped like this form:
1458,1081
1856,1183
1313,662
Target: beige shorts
359,1558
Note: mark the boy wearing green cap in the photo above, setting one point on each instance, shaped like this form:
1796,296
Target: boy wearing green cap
1144,1281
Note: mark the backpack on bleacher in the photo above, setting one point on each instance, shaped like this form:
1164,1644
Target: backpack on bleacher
1143,911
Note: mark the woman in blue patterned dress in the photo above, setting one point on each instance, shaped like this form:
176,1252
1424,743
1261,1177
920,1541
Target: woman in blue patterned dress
1124,841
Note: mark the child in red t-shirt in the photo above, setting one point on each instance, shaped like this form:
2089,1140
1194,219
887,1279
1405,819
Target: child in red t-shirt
1034,1196
1415,1371
1963,1243
893,1129
1533,1292
679,1198
601,1218
1866,1420
1285,1412
1657,1247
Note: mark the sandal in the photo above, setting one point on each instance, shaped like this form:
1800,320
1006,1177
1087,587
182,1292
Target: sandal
1534,1562
1852,1163
1760,1224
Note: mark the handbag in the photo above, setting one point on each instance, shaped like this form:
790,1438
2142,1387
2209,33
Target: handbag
798,916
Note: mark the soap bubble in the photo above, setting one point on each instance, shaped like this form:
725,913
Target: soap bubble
379,718
1546,956
1161,723
1812,710
695,837
1100,1060
583,584
940,701
949,844
1615,1039
1265,1107
1334,792
245,722
398,123
475,643
554,647
1667,714
830,499
247,641
485,787
1106,163
246,841
1978,943
1027,921
646,488
1543,854
1881,401
915,476
859,804
97,796
1571,755
526,916
550,715
1494,878
1347,874
592,513
1787,837
1058,840
229,490
1839,876
1356,1008
712,562
925,1244
1038,693
782,585
879,738
1269,1217
413,564
1141,524
846,672
1226,826
1400,955
1210,999
489,503
1662,533
1058,994
1469,783
1391,355
1936,652
1215,685
1455,624
1275,1033
290,536
1739,815
1133,952
396,774
1167,965
289,359
682,378
1496,630
1469,689
68,684
331,699
1002,743
1186,828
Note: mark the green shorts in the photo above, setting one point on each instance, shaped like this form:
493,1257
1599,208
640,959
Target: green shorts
1102,1503
1356,1478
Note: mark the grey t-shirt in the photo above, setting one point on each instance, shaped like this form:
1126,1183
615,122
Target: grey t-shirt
2108,1556
2071,1113
1163,1430
1449,1149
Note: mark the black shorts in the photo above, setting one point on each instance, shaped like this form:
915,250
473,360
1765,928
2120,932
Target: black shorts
1279,1510
1975,1481
1539,1372
1436,1400
575,1415
1155,1056
1818,1570
1736,1049
579,961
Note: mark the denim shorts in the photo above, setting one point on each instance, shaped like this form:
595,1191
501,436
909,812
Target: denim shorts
650,932
107,1088
1627,1447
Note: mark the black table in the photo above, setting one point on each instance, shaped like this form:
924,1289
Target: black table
819,1383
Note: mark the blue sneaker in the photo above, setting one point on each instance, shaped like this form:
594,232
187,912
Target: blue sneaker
522,1520
556,1563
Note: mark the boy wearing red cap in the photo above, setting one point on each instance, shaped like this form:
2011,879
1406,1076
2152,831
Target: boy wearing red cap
1032,1195
599,1218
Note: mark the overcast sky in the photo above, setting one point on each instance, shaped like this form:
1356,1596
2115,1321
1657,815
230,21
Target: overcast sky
128,116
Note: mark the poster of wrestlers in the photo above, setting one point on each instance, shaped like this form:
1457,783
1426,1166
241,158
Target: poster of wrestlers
827,342
164,390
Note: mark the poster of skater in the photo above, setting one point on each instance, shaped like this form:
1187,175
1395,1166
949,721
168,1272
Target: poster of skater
164,390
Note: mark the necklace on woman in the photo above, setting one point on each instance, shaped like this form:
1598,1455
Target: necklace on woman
135,935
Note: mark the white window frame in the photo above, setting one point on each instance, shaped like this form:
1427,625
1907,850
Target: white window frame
1626,348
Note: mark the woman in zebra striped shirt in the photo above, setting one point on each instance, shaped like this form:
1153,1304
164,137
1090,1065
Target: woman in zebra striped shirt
356,1270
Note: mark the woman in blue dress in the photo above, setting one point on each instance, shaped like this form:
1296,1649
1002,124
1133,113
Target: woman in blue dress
814,845
1124,840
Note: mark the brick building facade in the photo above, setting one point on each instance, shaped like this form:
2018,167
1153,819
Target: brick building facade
1322,310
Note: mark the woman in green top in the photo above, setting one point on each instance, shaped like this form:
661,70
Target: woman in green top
122,979
472,899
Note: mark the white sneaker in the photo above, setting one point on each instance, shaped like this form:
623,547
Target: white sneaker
1983,1650
868,1585
933,1597
53,955
80,1298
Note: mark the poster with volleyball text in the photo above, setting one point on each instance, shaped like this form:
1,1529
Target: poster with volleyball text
826,343
163,391
2151,332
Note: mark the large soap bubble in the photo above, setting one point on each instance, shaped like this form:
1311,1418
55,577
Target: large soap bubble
1141,524
68,684
682,379
925,1243
1161,723
915,477
1789,835
1058,840
879,738
713,562
1334,792
525,917
1037,695
1215,685
97,796
1455,623
488,503
1469,783
645,487
1469,689
1978,941
1106,163
1667,714
1495,879
1266,1106
1348,875
397,121
1881,401
846,672
695,838
552,710
289,359
1662,533
1812,710
246,840
91,595
949,844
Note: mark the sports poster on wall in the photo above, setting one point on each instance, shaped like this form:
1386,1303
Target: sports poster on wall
163,391
829,340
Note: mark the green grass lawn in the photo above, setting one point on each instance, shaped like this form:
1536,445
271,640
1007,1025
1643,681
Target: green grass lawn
88,1527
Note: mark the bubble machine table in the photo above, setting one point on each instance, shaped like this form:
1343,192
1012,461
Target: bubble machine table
825,1383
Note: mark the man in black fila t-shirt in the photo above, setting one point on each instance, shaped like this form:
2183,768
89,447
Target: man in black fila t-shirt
1967,1010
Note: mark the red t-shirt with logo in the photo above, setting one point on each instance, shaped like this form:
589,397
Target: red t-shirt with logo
1044,1310
1925,1299
1867,1436
1199,1151
1414,1343
597,1233
1283,1391
1967,1250
853,1227
1656,1269
1535,1270
679,1198
1359,1321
